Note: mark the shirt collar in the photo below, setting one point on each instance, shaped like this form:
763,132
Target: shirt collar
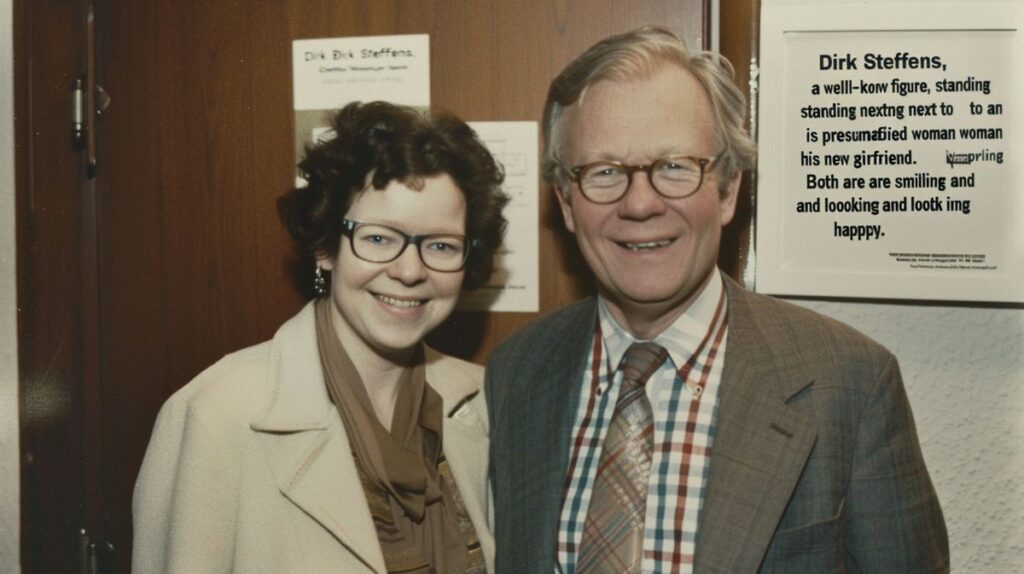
680,339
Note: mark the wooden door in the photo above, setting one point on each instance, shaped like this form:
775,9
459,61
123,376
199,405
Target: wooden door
191,261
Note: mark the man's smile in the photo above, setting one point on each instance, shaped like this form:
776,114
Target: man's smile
645,245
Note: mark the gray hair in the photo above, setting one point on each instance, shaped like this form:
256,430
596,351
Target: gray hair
637,54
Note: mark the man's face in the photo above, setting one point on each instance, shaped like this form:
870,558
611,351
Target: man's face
651,255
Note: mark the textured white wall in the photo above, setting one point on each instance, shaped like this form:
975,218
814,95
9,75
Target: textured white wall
9,469
964,372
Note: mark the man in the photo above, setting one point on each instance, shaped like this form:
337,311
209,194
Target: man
768,438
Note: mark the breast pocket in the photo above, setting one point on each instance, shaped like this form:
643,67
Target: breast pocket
813,547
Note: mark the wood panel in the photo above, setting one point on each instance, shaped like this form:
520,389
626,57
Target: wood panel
194,150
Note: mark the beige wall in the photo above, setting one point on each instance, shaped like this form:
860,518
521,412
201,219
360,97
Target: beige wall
9,469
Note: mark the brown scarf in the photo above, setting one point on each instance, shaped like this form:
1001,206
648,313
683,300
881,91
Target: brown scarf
421,522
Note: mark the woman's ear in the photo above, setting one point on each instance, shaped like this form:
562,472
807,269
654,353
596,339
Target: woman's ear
324,262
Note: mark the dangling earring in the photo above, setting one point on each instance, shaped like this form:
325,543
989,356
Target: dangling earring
319,282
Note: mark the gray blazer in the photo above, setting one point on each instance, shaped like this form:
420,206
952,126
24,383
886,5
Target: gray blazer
815,467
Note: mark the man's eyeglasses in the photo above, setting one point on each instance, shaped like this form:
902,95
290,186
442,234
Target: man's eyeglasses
382,244
673,177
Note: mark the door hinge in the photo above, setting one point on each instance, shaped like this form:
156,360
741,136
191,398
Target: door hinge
88,101
78,114
94,556
83,119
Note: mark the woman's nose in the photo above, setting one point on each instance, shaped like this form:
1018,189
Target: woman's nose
408,267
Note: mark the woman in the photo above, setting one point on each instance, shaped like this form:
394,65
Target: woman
345,444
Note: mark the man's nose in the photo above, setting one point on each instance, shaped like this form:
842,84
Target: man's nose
641,200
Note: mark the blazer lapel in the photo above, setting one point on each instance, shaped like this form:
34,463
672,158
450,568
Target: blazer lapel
760,446
307,447
553,394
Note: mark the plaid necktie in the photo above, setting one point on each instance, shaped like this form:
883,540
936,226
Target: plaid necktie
613,533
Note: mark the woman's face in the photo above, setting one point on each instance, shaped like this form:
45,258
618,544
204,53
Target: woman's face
389,307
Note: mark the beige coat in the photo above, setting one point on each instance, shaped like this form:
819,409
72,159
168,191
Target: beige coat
249,468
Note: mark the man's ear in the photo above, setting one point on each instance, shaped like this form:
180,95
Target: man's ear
727,200
566,205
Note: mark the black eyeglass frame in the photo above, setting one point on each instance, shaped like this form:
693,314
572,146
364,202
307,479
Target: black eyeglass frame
349,226
703,162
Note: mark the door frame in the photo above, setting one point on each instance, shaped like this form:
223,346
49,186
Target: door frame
56,293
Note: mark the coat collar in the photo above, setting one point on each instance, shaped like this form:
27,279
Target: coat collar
309,451
300,401
761,444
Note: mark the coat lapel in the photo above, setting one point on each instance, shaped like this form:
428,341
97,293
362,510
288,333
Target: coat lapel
761,445
465,439
465,448
311,458
323,482
307,447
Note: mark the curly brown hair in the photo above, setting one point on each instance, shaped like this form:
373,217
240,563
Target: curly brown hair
388,142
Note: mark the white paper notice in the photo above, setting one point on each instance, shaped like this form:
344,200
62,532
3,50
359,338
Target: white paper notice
889,133
514,287
328,73
331,72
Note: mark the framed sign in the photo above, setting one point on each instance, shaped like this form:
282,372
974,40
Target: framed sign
892,168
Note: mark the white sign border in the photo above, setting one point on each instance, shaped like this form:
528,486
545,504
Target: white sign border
779,18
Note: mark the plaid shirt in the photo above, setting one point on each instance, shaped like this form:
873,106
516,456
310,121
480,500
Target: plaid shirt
684,428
